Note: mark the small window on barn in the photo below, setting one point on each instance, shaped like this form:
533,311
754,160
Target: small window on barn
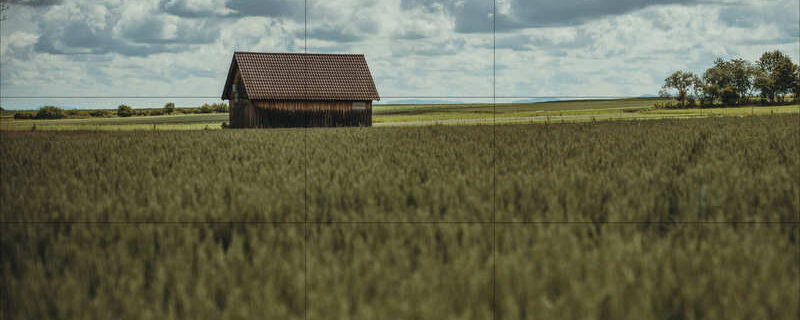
359,106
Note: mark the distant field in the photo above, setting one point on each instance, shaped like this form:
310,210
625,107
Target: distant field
415,115
562,111
596,220
165,122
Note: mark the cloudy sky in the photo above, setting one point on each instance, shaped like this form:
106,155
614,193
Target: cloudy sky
415,48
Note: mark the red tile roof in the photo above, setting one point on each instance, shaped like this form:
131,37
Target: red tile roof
299,76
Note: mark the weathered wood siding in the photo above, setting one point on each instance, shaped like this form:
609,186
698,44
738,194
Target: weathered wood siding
298,113
241,114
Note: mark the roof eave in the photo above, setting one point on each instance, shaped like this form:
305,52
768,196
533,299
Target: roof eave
318,98
226,94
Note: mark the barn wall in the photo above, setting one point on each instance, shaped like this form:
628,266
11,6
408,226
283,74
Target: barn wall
242,114
298,113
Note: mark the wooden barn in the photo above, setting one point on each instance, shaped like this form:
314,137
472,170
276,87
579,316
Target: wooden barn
267,90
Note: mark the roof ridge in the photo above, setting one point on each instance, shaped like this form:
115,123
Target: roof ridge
299,53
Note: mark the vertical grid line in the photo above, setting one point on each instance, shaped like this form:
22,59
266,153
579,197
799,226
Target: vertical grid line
305,172
494,160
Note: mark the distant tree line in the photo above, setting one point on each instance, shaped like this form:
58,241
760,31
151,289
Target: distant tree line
50,112
771,80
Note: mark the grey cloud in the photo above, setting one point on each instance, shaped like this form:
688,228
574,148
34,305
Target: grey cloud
448,47
784,14
473,16
293,9
35,3
525,14
182,73
517,42
147,30
410,35
198,33
346,31
514,42
83,45
19,52
182,8
348,24
142,37
335,34
71,37
150,31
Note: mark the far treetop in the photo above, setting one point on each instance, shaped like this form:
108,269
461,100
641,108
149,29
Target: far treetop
733,82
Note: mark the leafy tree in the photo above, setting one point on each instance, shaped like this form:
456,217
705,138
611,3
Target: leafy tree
796,89
729,81
777,75
742,73
728,96
681,82
764,83
714,79
50,112
124,111
169,108
698,89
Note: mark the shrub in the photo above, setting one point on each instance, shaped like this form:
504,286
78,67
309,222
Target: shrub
729,96
665,105
23,115
206,108
706,102
156,112
98,113
221,107
50,112
169,108
124,111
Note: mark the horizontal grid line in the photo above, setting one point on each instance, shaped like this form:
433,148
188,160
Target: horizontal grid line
403,222
382,97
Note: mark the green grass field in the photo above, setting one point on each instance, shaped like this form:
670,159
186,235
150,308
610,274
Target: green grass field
416,115
661,219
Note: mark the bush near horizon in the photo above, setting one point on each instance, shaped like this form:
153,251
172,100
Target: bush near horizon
99,113
169,108
214,107
124,111
24,115
50,112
